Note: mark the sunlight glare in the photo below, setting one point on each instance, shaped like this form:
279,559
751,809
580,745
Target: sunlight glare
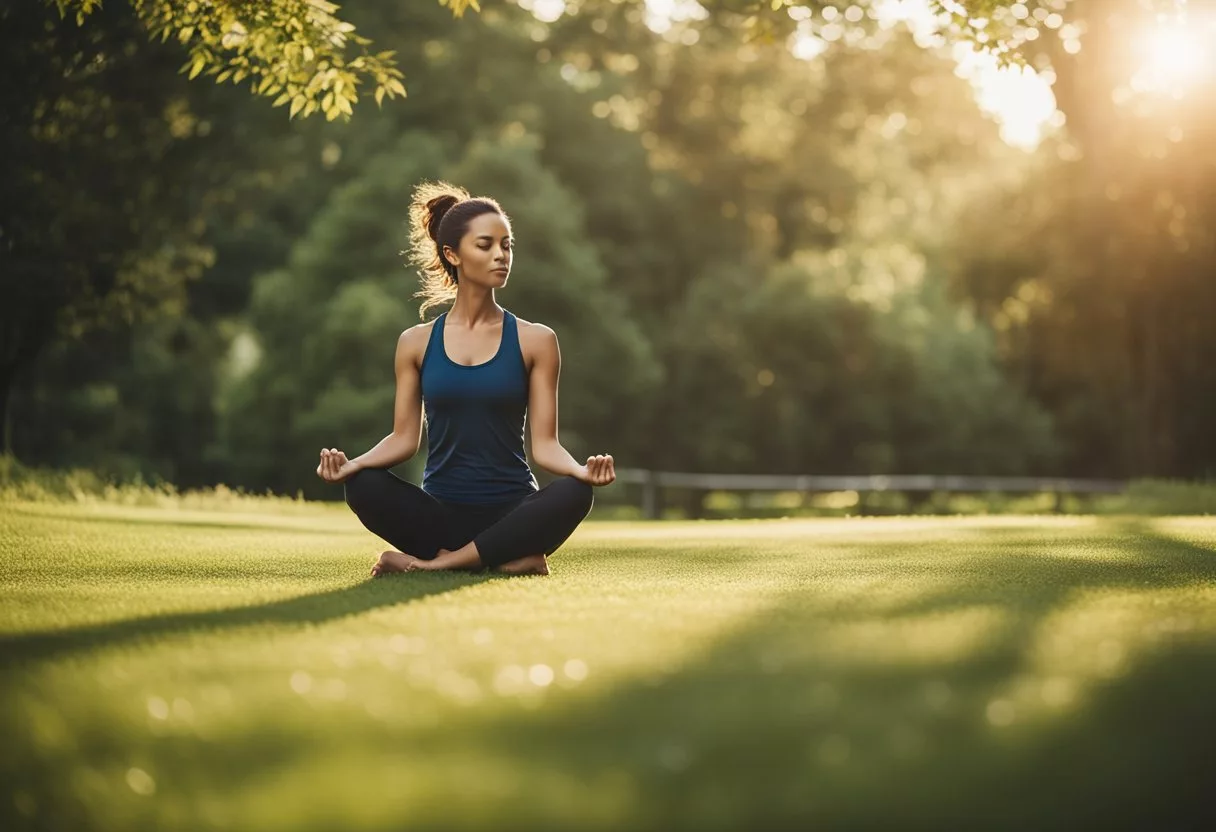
1175,56
807,45
1019,98
546,11
661,14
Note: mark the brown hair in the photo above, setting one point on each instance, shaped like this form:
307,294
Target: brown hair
440,214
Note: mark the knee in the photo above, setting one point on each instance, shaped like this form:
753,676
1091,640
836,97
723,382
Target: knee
578,494
361,487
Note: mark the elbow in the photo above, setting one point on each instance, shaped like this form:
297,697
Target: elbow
543,453
406,448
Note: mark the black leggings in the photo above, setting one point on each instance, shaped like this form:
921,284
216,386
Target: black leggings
420,525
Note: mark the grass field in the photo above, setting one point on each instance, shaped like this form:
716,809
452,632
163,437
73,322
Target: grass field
165,669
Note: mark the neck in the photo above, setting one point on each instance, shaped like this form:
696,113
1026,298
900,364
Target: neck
474,305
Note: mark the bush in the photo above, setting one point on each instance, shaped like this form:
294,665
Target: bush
78,485
1160,497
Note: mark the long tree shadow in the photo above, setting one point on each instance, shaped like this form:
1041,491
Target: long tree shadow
313,609
774,728
779,724
1139,556
208,523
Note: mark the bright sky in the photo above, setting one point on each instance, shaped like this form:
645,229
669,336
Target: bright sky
1175,54
1019,98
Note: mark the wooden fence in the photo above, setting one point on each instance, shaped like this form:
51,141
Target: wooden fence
652,481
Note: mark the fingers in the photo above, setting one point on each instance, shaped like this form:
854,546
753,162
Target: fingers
332,461
600,469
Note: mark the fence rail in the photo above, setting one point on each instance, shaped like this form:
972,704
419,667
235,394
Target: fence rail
652,481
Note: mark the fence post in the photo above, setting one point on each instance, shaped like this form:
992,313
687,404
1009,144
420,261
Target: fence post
650,496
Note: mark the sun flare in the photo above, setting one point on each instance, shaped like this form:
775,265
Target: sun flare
1174,57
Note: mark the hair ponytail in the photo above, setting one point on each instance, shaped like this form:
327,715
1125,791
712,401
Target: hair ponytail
440,214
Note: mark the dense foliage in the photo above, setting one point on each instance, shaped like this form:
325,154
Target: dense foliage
754,261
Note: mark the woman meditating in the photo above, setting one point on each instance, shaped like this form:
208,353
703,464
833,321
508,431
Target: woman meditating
475,371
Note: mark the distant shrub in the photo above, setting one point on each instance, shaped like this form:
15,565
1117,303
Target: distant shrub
78,485
1160,497
1142,497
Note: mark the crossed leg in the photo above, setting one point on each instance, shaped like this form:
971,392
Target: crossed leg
519,542
420,526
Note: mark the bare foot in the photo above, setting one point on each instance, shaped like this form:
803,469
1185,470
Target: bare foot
396,562
529,565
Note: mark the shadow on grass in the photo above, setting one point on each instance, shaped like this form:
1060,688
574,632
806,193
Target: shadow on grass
779,725
316,608
772,728
1139,557
135,520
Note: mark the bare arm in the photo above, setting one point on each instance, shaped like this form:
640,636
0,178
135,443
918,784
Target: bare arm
406,436
547,449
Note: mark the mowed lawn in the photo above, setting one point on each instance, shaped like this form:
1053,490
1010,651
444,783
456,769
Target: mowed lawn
199,670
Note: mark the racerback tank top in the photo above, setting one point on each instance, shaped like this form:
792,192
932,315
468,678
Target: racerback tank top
475,422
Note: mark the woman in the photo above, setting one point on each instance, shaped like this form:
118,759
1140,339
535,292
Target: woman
476,370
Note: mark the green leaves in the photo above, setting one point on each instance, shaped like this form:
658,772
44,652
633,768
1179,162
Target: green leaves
289,50
303,47
458,6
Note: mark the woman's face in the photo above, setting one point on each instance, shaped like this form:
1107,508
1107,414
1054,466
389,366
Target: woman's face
485,252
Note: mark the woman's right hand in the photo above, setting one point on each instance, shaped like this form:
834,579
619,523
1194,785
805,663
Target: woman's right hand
599,470
335,467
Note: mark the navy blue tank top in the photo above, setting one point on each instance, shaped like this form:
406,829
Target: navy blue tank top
475,422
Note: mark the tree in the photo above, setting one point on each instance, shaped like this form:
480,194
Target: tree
296,52
700,214
1095,269
99,197
276,177
299,52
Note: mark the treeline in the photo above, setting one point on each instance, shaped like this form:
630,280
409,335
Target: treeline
755,263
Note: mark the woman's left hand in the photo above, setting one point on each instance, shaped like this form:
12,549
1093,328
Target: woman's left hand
335,467
598,470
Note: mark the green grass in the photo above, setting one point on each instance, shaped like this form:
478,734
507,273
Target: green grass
187,669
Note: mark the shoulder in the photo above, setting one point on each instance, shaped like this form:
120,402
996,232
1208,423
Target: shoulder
538,343
412,342
534,334
416,335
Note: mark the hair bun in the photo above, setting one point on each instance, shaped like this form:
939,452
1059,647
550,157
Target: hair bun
436,208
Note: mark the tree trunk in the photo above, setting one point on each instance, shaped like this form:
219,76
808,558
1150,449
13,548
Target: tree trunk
20,347
6,386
